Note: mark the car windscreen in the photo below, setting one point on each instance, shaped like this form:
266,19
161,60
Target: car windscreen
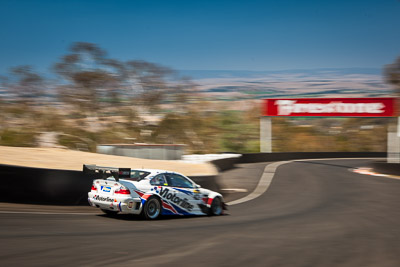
137,175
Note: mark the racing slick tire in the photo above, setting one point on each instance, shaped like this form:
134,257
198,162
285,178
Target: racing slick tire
109,212
216,207
152,208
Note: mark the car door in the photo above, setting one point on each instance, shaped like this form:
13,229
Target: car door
181,193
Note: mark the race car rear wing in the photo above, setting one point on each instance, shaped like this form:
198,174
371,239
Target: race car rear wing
106,172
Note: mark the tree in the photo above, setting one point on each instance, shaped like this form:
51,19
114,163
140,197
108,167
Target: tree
90,76
148,82
25,84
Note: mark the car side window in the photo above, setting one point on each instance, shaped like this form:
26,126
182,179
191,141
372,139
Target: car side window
178,181
137,175
159,180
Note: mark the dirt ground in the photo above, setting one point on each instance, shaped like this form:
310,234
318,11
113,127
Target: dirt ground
57,158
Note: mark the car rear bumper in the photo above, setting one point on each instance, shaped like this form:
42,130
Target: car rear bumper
123,204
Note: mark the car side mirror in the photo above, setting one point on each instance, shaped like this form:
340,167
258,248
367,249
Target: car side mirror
197,186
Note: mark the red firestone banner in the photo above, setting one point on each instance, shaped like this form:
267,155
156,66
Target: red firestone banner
330,107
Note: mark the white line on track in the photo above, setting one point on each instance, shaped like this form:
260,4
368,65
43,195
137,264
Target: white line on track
238,190
263,184
268,175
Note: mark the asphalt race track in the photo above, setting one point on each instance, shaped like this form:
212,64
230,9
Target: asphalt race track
315,213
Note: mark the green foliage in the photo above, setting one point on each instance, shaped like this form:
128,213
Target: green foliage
237,134
22,137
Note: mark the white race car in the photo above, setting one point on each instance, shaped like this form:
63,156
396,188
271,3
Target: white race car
150,193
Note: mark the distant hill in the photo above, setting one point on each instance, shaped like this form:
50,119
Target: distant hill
327,82
207,74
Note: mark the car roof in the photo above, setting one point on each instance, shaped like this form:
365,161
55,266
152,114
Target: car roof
153,171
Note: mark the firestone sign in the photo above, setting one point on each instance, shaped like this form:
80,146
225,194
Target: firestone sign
330,107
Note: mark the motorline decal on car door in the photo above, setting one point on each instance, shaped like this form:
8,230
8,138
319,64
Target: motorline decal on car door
177,200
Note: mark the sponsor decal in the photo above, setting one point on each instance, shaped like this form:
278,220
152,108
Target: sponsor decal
351,107
119,207
187,192
169,207
181,202
287,107
105,188
146,196
106,199
139,193
156,189
197,194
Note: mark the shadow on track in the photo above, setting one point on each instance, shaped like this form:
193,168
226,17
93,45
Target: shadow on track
131,217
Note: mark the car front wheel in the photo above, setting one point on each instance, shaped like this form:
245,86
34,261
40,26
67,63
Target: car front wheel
216,206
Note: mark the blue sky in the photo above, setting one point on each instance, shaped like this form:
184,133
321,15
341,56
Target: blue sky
205,35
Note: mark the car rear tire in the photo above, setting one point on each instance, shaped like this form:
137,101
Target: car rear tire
110,212
216,207
152,208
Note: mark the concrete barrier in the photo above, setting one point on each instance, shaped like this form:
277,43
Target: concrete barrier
225,164
229,163
58,187
267,157
209,182
43,186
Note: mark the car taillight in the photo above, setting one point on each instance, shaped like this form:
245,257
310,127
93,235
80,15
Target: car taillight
123,191
93,188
